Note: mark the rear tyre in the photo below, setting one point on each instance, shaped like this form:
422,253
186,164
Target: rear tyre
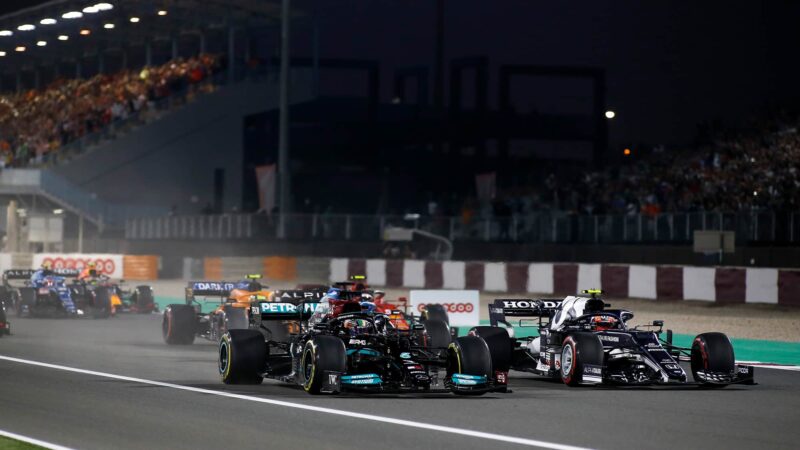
437,334
435,312
26,301
712,353
469,355
321,354
500,345
578,350
242,355
145,302
179,324
101,303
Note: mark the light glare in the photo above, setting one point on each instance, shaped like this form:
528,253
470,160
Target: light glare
109,26
63,37
26,27
6,33
72,15
47,21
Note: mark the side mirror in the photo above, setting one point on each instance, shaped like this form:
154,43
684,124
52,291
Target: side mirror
418,326
658,323
121,281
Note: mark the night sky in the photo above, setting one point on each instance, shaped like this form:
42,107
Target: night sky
670,64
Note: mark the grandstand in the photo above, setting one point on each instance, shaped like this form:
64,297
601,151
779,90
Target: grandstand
148,121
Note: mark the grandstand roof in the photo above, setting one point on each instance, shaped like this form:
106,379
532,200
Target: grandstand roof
157,20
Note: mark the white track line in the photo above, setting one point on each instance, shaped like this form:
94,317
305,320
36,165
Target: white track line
33,441
354,415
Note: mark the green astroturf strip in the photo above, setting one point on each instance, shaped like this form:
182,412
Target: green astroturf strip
776,352
12,444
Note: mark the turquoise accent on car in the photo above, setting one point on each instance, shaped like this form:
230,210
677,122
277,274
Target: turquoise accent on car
468,380
362,351
362,379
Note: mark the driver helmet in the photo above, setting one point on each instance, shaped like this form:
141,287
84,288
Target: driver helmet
604,322
357,326
91,265
368,307
47,265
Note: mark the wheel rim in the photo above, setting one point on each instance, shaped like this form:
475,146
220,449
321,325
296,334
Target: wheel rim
165,325
566,359
223,357
308,367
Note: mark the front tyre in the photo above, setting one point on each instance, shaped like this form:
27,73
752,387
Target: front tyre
712,359
578,351
321,354
469,365
242,356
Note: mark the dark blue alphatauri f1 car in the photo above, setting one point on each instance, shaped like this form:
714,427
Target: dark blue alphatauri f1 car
341,345
582,342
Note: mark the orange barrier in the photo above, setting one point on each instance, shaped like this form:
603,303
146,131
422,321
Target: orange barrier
282,268
140,267
212,268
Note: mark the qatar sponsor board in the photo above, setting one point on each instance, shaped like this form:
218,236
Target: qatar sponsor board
462,306
105,263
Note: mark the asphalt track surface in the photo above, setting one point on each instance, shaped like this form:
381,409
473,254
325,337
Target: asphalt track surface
94,410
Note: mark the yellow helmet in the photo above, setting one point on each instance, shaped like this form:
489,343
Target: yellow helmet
47,265
91,265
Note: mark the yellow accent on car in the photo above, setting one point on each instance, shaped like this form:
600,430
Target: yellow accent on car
253,276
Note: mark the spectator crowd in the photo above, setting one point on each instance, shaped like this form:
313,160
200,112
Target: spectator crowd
35,124
756,167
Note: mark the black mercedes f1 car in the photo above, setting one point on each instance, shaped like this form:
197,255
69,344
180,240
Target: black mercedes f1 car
582,342
352,350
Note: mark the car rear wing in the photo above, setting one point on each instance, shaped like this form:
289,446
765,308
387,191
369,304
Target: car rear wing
502,308
297,295
18,274
285,310
208,289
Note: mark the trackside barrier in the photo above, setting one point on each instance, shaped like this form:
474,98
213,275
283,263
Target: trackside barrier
662,283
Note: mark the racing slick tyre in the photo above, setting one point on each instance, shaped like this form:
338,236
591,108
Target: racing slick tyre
437,334
179,324
235,318
101,303
143,299
321,354
469,355
242,355
712,354
26,301
579,350
435,312
500,346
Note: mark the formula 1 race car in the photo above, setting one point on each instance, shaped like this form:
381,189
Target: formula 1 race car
182,322
52,296
13,280
340,346
582,342
138,301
